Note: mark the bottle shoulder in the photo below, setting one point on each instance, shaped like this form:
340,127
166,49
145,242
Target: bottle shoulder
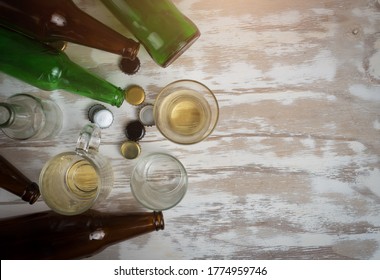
43,20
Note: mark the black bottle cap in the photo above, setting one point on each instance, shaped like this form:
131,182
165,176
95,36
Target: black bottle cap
128,66
135,131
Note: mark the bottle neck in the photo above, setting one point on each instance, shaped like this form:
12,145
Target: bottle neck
124,227
78,80
12,180
159,222
62,20
31,193
93,33
49,69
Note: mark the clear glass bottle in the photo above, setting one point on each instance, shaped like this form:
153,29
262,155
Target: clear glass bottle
57,20
12,180
24,116
47,68
159,26
48,235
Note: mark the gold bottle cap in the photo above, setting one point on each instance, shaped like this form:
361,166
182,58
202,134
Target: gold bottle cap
130,149
135,95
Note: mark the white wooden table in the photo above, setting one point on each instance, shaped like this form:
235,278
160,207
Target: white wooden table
292,170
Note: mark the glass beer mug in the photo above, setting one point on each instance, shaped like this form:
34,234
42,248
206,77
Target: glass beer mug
71,182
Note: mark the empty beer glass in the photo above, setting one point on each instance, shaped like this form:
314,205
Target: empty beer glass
159,181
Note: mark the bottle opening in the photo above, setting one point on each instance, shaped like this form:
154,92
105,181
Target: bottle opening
159,220
5,115
32,193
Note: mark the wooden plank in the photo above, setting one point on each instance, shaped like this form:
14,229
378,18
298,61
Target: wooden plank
292,170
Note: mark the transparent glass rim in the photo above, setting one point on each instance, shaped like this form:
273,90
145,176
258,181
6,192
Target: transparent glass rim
185,185
9,111
48,203
212,125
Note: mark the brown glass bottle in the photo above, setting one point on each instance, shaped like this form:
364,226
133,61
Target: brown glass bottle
12,180
48,235
57,20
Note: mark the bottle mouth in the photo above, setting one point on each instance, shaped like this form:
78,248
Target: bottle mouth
134,51
5,115
159,220
32,193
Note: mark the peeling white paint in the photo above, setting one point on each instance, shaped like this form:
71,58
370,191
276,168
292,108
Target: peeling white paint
376,124
286,172
322,68
374,65
366,92
284,18
372,182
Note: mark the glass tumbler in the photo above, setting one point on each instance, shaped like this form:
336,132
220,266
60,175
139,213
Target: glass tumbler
72,182
186,112
159,181
24,116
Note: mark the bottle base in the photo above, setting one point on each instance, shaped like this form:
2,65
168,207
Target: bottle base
181,48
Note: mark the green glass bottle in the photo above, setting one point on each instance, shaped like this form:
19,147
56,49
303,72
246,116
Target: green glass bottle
158,25
49,69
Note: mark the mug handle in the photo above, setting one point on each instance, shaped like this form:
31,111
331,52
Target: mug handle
89,139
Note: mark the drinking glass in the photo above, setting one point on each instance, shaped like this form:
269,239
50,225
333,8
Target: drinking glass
159,181
24,116
186,112
71,182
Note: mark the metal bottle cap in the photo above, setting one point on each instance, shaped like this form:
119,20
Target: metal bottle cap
130,149
146,115
135,131
135,95
100,115
128,66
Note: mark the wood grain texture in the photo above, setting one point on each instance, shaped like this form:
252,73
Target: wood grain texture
292,170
